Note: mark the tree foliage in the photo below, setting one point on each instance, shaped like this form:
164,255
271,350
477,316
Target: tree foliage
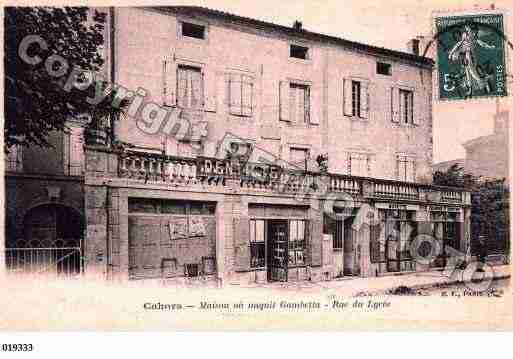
36,101
490,205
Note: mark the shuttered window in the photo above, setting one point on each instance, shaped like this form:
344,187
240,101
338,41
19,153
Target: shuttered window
190,87
299,103
356,96
240,94
406,168
359,164
76,152
406,106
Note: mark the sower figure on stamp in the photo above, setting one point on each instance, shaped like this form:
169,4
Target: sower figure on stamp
464,51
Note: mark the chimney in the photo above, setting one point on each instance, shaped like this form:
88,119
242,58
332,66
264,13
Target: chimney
298,25
414,46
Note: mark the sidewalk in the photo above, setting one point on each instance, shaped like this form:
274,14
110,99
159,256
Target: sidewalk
353,286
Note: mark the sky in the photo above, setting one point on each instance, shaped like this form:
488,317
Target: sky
388,24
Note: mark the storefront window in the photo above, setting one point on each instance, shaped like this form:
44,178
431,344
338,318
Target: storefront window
297,234
445,227
257,242
400,229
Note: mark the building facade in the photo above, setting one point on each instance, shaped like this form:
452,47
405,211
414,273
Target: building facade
44,204
165,205
259,152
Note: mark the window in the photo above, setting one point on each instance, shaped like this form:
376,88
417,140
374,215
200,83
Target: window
356,98
299,52
383,68
299,103
359,164
406,106
74,152
257,242
13,159
240,94
299,156
338,240
193,30
190,87
400,228
297,235
405,168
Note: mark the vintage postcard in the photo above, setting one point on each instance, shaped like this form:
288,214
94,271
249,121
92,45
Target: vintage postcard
234,165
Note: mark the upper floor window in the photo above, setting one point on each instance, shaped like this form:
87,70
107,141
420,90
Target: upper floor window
356,98
193,30
405,168
406,106
359,164
190,87
13,159
299,52
240,94
383,68
299,97
299,156
74,151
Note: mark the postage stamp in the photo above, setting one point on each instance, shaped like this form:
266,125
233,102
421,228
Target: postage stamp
471,56
221,167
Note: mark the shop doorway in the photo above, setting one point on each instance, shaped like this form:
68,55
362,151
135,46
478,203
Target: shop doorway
277,250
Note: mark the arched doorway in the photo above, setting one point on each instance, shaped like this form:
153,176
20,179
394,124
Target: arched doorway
52,241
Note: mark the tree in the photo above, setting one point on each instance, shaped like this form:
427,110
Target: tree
490,203
40,94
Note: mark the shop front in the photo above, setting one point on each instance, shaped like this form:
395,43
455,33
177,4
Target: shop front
171,238
279,236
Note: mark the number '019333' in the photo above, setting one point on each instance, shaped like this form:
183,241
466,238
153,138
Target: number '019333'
17,347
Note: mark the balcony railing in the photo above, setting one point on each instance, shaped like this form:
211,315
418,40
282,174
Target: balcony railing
158,168
400,191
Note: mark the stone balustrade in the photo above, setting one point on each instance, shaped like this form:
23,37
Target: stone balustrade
396,190
155,168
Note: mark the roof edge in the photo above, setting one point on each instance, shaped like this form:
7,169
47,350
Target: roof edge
418,60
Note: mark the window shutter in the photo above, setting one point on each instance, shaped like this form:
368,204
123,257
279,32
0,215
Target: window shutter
419,108
348,97
76,155
315,105
234,90
210,93
397,167
364,99
284,101
315,239
395,104
247,95
170,86
242,249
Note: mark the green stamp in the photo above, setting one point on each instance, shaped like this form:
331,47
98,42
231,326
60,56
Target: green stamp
471,56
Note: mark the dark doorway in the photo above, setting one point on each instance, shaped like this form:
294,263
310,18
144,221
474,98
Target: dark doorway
51,242
277,250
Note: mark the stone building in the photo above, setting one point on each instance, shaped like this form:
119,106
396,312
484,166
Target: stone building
44,204
259,152
488,156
